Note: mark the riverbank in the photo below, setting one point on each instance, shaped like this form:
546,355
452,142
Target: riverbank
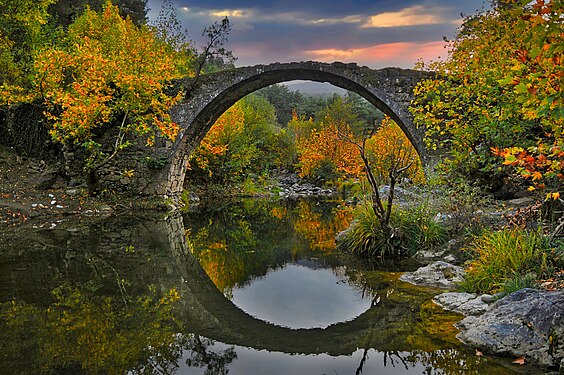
32,190
527,324
23,203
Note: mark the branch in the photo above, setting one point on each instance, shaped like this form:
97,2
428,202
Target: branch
118,143
557,230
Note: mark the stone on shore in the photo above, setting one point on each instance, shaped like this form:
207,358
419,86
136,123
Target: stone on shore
528,323
438,274
463,303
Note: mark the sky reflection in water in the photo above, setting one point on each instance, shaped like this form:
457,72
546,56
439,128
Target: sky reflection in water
297,296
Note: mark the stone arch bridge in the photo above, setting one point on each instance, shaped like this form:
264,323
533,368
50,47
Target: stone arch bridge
389,89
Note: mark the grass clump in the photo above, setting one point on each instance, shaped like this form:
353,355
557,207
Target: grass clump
506,259
411,229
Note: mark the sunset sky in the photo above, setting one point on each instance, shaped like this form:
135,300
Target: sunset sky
376,33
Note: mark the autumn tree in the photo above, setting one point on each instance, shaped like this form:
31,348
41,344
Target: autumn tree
242,141
107,72
334,145
21,36
499,93
340,145
536,80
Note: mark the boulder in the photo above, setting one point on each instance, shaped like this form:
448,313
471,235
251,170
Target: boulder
438,274
528,323
463,303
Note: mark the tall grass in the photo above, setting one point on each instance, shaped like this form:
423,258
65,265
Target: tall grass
502,257
412,229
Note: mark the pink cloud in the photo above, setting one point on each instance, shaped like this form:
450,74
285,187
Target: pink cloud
399,54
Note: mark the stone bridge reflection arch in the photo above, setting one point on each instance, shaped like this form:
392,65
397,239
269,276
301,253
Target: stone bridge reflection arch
209,313
389,89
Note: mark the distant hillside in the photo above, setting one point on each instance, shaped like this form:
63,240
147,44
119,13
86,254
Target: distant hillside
314,88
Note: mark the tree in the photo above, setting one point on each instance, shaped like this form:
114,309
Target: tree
284,101
500,94
465,109
21,36
242,141
386,158
536,79
108,72
65,12
214,50
341,146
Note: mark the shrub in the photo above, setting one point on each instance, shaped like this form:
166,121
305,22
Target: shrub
413,228
504,256
519,282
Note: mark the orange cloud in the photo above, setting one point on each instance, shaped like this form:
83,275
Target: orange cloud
413,16
404,53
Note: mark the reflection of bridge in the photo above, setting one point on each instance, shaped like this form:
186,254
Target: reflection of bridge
209,313
389,89
160,256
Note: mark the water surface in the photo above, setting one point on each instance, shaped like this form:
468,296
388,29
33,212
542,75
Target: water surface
245,287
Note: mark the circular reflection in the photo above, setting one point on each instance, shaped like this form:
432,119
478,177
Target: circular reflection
298,296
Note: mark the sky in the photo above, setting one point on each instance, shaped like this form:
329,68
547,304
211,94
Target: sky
375,33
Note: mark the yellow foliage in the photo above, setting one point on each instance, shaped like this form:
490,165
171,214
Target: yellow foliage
110,71
216,142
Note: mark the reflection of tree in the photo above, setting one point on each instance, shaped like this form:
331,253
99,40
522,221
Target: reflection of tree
92,333
319,228
235,242
452,361
215,362
241,240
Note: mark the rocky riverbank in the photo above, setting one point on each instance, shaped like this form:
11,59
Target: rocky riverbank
527,324
31,192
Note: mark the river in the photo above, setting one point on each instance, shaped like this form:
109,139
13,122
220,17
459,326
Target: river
241,287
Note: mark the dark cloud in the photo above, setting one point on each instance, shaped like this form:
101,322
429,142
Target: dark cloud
268,31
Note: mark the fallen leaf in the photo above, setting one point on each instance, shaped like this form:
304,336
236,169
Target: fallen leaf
479,353
520,361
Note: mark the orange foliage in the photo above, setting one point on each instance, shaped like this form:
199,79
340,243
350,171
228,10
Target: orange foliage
216,142
325,145
326,142
318,232
388,144
108,68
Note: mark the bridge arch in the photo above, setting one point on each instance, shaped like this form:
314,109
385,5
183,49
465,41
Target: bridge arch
389,90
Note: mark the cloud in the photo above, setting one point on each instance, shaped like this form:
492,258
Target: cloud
374,33
233,13
333,21
412,16
403,53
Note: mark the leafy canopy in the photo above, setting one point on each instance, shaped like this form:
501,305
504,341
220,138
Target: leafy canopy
499,93
21,34
107,70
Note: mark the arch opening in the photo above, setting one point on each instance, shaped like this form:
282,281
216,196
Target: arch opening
215,102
